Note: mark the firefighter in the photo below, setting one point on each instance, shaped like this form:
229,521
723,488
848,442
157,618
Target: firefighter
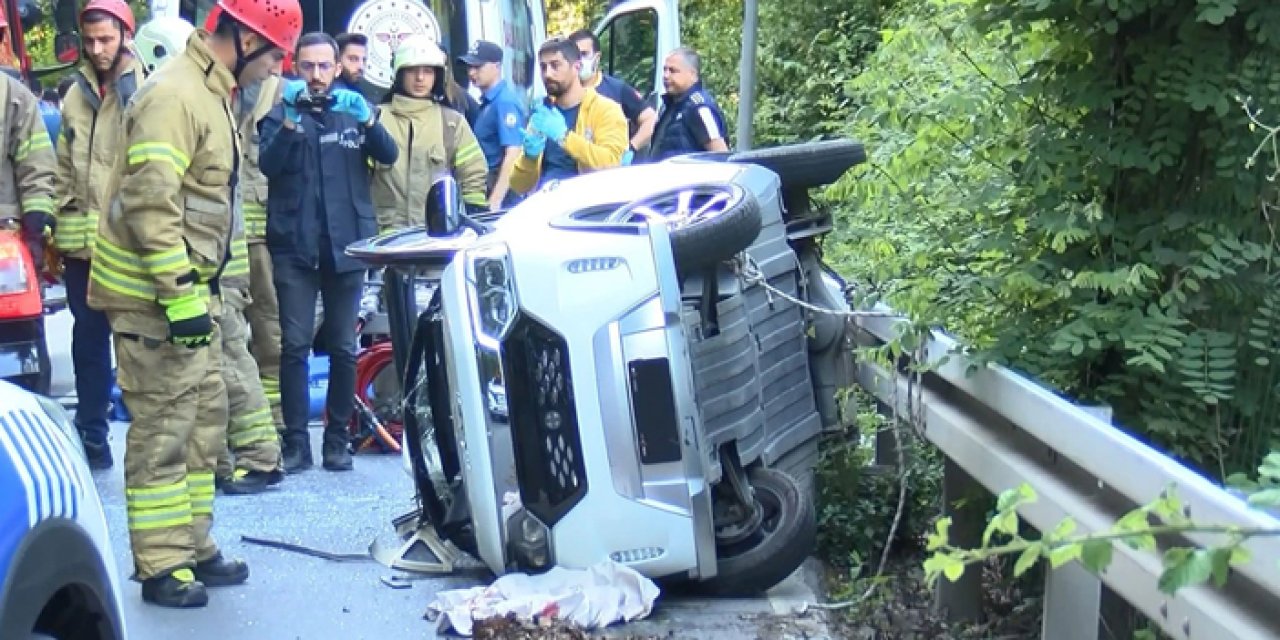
251,460
26,190
433,140
92,129
160,252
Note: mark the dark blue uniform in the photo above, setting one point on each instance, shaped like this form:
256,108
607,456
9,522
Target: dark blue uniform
499,124
686,124
619,91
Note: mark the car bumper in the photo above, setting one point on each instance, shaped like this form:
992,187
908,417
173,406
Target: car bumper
599,485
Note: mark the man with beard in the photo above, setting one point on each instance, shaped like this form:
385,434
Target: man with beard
92,130
353,50
574,131
317,147
160,252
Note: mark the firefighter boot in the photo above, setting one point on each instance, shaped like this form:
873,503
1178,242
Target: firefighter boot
178,589
220,572
336,452
296,453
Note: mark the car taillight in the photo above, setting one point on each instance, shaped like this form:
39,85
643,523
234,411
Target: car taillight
19,287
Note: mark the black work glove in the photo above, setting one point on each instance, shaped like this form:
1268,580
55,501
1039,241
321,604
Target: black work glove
33,225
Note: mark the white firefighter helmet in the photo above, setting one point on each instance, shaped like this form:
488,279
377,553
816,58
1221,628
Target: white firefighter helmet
417,51
161,38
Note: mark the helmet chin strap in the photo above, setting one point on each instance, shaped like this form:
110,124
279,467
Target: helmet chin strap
243,60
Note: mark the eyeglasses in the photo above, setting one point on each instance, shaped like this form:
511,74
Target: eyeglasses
308,67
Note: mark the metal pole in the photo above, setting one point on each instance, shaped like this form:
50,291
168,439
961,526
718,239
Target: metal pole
747,74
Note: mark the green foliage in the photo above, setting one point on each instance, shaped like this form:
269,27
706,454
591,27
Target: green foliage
1072,188
1182,567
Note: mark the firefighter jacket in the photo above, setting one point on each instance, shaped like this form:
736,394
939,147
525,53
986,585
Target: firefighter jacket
253,185
26,177
433,141
88,148
165,238
597,141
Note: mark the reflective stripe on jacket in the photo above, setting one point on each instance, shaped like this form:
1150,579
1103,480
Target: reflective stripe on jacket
165,237
252,183
597,141
427,135
26,177
88,149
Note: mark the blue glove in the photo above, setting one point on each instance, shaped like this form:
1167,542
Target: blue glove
289,99
550,122
350,102
534,143
628,156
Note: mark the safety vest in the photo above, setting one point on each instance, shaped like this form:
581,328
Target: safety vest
165,237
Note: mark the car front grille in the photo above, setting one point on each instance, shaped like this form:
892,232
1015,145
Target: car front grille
544,420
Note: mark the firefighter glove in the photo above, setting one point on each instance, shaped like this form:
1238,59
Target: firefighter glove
189,322
34,224
352,103
550,122
534,143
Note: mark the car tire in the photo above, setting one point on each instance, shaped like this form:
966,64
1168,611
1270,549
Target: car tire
785,540
806,165
713,240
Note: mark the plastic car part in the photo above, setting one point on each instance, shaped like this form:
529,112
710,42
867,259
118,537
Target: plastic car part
709,223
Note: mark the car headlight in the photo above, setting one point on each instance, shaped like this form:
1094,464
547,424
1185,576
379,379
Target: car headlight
58,415
493,298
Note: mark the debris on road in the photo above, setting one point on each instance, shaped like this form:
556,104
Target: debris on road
308,551
510,627
590,599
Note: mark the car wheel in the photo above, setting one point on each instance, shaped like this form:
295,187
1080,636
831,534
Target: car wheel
807,165
708,223
786,536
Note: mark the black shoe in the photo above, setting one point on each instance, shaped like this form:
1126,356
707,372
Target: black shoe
178,589
220,572
244,482
296,456
336,455
98,455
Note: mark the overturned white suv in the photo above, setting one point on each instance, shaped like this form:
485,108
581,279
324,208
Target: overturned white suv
618,367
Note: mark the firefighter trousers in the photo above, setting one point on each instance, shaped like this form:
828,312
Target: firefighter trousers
179,405
263,314
252,438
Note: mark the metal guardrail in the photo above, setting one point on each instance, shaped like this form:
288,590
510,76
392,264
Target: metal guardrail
999,428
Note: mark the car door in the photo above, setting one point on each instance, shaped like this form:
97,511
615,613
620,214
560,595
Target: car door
635,37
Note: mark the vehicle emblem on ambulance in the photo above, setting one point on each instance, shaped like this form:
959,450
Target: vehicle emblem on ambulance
386,23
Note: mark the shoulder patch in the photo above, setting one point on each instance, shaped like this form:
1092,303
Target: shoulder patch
697,98
510,120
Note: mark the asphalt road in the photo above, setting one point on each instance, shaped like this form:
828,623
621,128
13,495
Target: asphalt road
295,596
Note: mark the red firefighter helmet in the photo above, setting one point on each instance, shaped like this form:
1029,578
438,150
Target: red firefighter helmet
118,9
279,21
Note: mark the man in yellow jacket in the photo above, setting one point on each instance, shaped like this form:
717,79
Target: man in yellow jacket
575,131
160,252
88,147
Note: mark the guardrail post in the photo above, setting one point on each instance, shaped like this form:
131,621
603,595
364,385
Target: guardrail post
965,501
1072,597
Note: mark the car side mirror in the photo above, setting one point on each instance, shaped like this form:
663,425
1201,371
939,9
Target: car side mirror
444,207
66,47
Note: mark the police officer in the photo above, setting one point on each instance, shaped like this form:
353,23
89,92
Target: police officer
92,122
500,122
161,250
690,121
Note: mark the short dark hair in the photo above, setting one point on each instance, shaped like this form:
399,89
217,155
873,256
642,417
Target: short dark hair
316,38
350,38
586,34
562,46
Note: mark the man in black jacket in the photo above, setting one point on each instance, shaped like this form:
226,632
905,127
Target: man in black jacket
315,147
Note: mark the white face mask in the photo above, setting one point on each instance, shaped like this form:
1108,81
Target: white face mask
588,69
